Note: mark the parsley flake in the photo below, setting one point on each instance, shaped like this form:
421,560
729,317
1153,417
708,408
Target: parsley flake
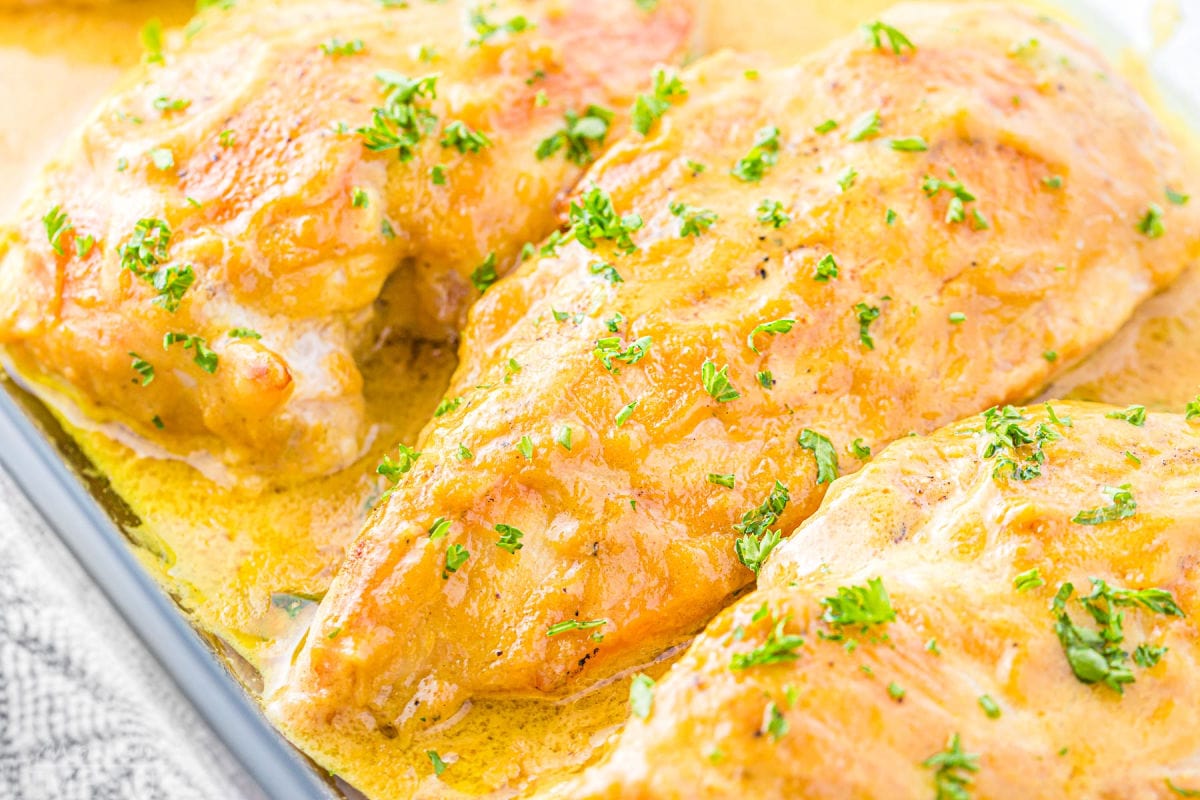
784,325
510,538
641,695
716,382
578,136
824,453
1123,506
764,154
693,220
648,108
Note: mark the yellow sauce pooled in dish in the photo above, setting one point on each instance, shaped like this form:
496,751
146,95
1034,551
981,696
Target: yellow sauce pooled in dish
248,565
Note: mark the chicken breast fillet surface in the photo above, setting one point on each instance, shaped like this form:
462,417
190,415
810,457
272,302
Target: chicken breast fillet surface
624,407
248,192
1044,641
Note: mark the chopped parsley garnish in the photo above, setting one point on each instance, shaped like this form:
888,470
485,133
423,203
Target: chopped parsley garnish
1095,656
896,691
595,218
205,358
909,144
57,224
722,479
615,322
757,541
485,274
827,269
693,220
161,157
359,197
485,30
1020,450
525,447
859,450
1177,198
439,766
1028,580
765,378
1134,415
1053,181
846,178
774,724
865,127
562,436
770,212
456,134
959,197
392,469
447,406
1148,655
456,556
510,538
142,367
956,317
878,31
716,382
578,136
641,695
826,126
151,36
606,271
84,244
464,453
950,766
1123,506
859,606
336,47
439,529
989,706
889,217
648,108
779,647
401,122
1179,790
1151,222
611,347
166,104
866,315
823,452
226,138
437,175
1192,411
626,412
574,625
764,154
778,326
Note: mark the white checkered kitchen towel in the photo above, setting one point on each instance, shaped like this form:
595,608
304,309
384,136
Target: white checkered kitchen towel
85,714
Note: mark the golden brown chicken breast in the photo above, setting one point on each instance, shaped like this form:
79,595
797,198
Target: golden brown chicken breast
204,259
947,621
792,267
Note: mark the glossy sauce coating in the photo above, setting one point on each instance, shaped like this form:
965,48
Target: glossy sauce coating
397,647
949,540
289,223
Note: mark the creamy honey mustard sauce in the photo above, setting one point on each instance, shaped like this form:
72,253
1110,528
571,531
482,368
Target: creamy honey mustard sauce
248,565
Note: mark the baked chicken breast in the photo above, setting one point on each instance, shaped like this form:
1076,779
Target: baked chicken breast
791,267
950,619
205,260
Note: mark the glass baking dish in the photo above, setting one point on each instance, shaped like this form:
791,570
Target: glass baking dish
95,523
